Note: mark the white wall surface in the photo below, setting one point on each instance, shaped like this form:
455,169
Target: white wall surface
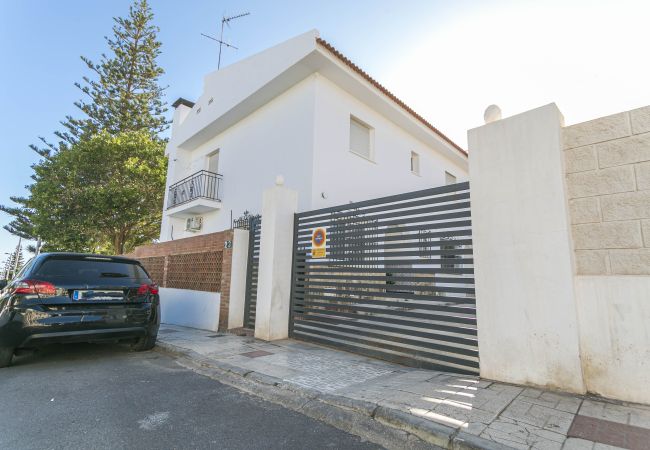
614,314
276,139
196,309
345,176
238,278
526,310
274,272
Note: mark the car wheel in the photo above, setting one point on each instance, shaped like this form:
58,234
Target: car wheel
5,356
144,343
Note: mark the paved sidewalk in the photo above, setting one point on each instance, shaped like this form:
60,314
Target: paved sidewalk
516,416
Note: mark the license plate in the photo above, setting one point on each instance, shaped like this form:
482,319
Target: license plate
97,295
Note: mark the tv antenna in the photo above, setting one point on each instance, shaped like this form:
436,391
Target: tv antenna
225,21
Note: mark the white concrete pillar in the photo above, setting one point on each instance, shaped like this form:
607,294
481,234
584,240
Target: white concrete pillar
274,277
238,278
526,308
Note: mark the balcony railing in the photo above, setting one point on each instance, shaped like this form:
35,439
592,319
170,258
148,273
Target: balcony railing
202,184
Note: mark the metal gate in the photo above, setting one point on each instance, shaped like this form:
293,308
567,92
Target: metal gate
250,304
396,281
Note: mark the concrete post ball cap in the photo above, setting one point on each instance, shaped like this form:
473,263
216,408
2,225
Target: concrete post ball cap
492,113
279,180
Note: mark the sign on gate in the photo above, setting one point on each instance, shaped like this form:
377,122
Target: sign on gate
319,242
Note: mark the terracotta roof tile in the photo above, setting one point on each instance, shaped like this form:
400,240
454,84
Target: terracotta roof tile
387,93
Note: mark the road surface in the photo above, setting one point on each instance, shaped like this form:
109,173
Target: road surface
85,396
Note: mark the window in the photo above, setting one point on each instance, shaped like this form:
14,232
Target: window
360,139
415,163
213,162
449,178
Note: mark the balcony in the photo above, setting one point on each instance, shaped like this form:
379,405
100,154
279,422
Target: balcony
199,193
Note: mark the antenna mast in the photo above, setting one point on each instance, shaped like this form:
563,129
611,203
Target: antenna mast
225,21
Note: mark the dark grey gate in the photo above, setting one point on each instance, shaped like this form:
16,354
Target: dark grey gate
397,280
255,232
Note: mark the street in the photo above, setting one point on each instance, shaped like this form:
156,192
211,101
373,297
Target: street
104,397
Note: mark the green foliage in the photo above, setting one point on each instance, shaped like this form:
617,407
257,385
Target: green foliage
103,194
100,188
125,96
13,263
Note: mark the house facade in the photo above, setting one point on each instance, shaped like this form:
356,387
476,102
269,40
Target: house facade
304,111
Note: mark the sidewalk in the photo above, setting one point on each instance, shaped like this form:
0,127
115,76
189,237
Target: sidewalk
440,408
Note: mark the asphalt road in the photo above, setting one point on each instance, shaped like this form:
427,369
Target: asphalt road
105,397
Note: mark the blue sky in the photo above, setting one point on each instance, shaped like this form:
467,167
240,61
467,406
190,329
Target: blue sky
446,59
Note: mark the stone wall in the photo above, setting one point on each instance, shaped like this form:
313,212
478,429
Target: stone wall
608,184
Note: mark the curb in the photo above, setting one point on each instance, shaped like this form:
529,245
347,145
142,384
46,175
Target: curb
386,426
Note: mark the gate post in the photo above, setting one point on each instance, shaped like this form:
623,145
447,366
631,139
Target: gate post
238,275
523,256
274,274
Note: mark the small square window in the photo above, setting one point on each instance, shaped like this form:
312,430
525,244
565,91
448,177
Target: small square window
360,138
449,178
415,163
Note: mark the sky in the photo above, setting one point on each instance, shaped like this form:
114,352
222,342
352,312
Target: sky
448,60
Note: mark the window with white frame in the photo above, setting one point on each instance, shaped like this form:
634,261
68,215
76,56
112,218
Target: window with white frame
415,163
213,161
360,138
449,178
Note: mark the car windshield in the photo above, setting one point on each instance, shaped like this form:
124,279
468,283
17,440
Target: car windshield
91,268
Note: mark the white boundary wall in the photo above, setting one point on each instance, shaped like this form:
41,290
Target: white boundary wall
196,309
526,309
238,278
539,322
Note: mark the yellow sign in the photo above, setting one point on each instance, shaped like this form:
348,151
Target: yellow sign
319,243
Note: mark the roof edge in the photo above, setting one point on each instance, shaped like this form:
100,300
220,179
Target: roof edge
181,101
330,48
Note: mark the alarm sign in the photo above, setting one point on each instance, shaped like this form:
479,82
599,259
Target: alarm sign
319,243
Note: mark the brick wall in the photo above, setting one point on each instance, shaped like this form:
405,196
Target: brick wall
608,183
198,262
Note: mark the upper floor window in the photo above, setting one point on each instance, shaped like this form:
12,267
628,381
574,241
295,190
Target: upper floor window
213,162
415,163
360,138
449,178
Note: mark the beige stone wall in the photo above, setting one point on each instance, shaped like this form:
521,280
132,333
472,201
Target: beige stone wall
608,183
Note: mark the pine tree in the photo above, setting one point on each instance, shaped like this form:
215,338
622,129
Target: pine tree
14,262
126,95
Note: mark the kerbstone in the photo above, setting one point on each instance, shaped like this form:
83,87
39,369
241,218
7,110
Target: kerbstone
584,210
597,130
642,175
630,262
626,206
640,119
594,236
601,182
580,159
629,150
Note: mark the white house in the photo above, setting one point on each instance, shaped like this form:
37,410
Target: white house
303,110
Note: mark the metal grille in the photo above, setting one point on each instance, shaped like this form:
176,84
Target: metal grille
155,265
397,280
250,305
197,271
202,184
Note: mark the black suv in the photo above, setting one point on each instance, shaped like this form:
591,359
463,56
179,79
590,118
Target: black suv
70,297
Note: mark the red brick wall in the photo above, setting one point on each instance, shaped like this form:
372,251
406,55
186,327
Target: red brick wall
205,243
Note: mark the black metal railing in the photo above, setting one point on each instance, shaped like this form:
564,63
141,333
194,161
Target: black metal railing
202,184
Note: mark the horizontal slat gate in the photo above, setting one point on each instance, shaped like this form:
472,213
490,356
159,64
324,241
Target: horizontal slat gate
255,233
397,280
